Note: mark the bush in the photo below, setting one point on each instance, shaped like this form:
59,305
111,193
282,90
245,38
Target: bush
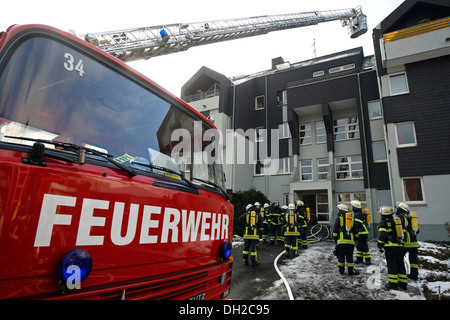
240,200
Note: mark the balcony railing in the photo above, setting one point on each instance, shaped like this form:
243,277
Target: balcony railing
202,95
417,30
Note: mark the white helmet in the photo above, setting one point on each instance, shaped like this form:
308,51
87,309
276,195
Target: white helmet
385,211
266,205
284,207
356,204
257,204
403,206
248,206
291,206
342,207
300,203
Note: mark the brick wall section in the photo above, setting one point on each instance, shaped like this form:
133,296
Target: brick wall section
428,105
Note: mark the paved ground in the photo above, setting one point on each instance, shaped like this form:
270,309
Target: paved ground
313,275
248,282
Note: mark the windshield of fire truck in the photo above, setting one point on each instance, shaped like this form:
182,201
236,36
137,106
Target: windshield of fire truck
52,91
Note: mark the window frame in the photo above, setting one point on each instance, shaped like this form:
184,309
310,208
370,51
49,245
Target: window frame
368,110
406,83
263,102
321,135
311,174
346,127
422,189
405,145
385,152
300,131
350,171
322,166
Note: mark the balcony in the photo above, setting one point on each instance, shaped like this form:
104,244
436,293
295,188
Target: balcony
424,41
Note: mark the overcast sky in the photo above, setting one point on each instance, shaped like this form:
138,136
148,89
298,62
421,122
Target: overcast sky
231,58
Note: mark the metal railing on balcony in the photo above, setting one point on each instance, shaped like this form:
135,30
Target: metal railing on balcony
202,95
417,30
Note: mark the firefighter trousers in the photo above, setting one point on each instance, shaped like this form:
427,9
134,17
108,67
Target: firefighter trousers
250,248
413,263
362,249
396,267
345,253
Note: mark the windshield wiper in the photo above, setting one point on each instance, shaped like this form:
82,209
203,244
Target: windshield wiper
213,184
81,152
155,167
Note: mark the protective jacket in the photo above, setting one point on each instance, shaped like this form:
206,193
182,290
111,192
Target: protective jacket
253,224
293,222
276,216
387,236
410,237
340,234
360,222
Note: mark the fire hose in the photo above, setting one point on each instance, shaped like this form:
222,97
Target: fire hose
313,238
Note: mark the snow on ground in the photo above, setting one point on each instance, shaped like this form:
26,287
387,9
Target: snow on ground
314,275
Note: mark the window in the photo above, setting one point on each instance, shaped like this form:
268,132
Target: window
281,98
342,68
318,73
322,168
406,134
259,134
347,198
285,165
323,210
379,151
306,170
305,133
321,133
346,128
283,131
413,190
349,168
375,111
261,168
384,198
398,84
259,103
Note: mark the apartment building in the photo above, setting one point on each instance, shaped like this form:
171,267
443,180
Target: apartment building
412,49
345,127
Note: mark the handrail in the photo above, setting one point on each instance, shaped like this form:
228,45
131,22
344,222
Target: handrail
417,30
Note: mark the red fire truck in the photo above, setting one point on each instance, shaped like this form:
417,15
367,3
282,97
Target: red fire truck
94,200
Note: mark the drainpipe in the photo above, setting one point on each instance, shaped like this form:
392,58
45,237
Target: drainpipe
365,148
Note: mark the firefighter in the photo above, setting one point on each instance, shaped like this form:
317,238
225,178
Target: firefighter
265,217
410,231
291,221
253,223
302,240
276,214
345,236
390,238
362,249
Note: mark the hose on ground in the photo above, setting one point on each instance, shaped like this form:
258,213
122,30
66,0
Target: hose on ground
313,238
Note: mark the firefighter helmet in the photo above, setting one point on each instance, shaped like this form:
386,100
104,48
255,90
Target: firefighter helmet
356,204
385,211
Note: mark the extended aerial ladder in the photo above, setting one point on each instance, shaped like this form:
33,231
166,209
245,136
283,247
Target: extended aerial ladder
146,42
